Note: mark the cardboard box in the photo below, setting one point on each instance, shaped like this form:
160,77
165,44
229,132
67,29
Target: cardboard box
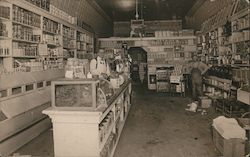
205,102
229,147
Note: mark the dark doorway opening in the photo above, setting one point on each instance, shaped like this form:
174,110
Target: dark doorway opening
139,68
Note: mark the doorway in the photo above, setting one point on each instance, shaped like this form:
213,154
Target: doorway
139,69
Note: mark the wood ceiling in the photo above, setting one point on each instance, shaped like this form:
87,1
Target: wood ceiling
124,10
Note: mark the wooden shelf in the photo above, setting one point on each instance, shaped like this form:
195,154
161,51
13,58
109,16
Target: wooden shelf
65,36
218,87
26,25
25,56
53,44
68,48
219,79
2,56
49,32
81,50
4,19
38,30
107,136
120,131
5,38
25,41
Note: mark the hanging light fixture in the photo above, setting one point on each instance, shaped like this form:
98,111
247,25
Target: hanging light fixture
137,25
136,10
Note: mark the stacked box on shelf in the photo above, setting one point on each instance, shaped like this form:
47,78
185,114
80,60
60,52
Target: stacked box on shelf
44,4
241,23
81,41
51,39
24,49
89,48
51,26
241,74
81,46
24,33
26,17
108,148
230,107
62,15
68,32
5,12
69,43
105,126
4,48
160,34
27,65
3,30
69,40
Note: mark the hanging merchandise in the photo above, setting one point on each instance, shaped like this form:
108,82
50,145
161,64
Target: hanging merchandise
89,75
93,67
108,69
98,66
101,65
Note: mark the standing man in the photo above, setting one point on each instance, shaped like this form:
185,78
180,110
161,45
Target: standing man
199,69
197,89
196,69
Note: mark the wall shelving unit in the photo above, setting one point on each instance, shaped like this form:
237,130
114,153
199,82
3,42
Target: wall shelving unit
30,36
27,27
226,41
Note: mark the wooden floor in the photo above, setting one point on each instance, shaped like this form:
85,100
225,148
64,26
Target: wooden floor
157,126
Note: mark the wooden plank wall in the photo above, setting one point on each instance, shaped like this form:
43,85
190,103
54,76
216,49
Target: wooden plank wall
89,12
203,10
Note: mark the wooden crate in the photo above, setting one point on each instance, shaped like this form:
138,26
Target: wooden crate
229,147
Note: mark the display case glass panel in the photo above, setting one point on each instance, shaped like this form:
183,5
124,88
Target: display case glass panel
73,93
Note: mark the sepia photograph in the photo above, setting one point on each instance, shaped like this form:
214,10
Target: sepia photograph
124,78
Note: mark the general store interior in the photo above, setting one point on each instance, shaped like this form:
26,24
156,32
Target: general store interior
124,78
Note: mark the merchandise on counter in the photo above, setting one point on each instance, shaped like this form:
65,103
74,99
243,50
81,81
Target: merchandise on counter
98,66
53,64
77,68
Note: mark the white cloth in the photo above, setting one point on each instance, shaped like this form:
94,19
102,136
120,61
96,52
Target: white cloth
229,128
101,65
93,67
98,66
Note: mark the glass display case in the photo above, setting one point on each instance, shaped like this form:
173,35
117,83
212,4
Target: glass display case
68,93
81,93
